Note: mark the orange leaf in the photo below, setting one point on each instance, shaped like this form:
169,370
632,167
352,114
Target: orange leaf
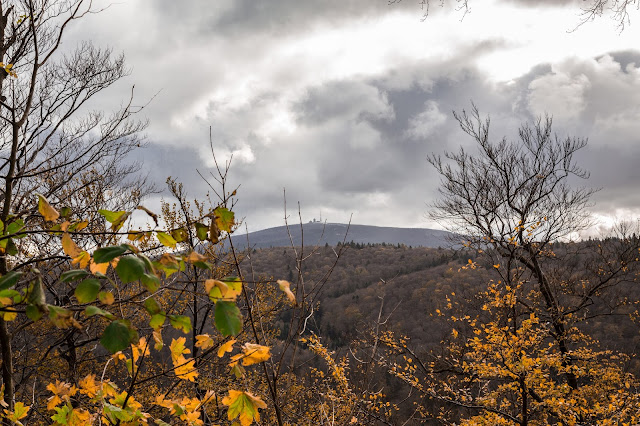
227,347
70,248
253,353
194,257
186,370
204,341
98,267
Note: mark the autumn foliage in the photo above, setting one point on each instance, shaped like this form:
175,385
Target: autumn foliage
102,300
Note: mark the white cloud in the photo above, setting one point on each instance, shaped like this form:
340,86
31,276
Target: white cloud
559,94
316,96
424,124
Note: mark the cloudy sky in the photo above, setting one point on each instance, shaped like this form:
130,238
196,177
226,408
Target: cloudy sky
340,101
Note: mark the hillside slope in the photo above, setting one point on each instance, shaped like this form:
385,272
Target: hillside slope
412,283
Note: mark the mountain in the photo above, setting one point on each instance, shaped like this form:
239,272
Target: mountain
317,233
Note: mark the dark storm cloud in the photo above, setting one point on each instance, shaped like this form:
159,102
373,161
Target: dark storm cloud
178,161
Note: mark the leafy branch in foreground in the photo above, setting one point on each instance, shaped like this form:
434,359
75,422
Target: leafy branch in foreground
115,287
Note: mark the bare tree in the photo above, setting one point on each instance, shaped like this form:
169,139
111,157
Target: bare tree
618,9
513,199
50,143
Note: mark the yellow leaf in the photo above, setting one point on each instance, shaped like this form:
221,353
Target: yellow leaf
2,401
82,259
109,388
455,333
81,225
135,235
284,287
216,289
9,315
177,348
79,417
70,248
227,347
235,288
166,403
88,386
497,265
20,411
253,353
185,370
244,406
106,297
116,219
53,402
166,239
60,390
139,349
46,210
204,341
210,284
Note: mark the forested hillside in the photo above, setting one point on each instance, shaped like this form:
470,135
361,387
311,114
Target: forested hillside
420,295
411,284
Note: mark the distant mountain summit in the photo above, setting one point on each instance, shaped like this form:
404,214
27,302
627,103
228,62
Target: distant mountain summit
317,233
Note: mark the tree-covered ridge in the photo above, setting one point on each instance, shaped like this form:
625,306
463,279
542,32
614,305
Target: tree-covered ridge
320,233
417,280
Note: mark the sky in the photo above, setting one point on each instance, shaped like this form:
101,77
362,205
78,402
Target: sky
338,103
